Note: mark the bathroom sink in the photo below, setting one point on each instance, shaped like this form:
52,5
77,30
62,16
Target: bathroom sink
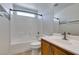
73,37
74,42
70,41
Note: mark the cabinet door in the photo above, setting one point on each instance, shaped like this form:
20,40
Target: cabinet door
57,51
45,48
51,49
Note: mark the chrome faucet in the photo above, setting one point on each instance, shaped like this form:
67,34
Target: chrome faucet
65,38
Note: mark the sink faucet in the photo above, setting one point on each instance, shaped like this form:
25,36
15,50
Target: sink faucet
64,36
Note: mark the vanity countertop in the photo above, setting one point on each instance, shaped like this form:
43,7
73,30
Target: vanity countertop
71,45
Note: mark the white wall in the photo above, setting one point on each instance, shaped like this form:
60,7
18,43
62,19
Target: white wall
4,35
47,19
70,13
23,29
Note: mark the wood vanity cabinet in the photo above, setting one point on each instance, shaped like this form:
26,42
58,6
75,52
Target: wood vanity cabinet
48,48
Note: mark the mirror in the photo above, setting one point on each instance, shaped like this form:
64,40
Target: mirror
68,17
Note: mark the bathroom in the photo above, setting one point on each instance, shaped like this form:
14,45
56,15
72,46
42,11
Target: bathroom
24,27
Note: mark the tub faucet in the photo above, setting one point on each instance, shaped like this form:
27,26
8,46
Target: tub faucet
65,38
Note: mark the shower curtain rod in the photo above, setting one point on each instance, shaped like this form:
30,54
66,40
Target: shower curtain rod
70,22
26,11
